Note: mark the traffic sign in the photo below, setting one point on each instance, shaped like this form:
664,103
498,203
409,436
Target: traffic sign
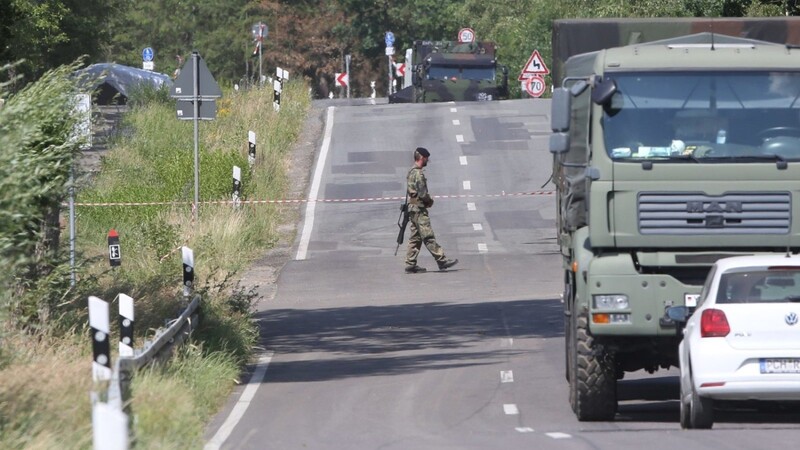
147,54
389,39
183,88
535,86
400,69
207,109
114,250
534,66
466,35
343,79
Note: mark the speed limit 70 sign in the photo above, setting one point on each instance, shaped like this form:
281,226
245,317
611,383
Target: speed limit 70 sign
534,86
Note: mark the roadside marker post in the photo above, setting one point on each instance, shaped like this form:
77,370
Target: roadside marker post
237,186
114,249
125,325
251,148
101,348
188,271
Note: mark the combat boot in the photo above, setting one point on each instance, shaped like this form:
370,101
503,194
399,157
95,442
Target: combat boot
415,269
447,263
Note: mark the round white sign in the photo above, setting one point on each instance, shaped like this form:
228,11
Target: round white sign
466,35
535,86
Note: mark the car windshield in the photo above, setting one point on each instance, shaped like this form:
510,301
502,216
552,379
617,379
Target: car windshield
704,116
460,73
760,285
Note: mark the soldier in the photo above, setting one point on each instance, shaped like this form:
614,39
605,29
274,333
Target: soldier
419,200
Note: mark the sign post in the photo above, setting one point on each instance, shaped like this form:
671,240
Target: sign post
347,70
389,40
196,86
147,59
114,250
260,32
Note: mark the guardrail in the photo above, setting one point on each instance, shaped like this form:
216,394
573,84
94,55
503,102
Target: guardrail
112,393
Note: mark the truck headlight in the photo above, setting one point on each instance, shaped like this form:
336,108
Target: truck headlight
614,301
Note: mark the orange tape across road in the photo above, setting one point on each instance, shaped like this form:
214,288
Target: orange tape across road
319,200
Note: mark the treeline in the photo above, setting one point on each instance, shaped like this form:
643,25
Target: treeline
309,38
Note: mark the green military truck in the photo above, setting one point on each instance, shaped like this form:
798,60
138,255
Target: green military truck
668,155
444,71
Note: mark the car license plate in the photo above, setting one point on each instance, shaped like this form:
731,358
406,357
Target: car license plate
780,365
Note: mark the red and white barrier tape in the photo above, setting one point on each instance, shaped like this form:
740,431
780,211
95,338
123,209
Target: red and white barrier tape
319,200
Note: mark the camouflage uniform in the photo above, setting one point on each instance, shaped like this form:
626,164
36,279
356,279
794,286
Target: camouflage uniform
421,231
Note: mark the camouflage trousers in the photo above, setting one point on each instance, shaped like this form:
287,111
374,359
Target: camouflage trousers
422,232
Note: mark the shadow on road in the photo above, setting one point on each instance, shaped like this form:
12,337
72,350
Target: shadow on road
333,343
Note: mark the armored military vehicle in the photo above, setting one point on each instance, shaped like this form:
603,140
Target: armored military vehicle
668,155
444,71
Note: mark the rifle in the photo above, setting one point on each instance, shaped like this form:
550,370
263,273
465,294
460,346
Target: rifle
402,222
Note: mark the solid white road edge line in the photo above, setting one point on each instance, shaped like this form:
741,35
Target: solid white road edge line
241,406
311,206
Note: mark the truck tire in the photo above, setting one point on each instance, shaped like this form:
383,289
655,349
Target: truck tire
594,387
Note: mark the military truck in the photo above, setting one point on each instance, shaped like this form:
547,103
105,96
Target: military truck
668,155
444,71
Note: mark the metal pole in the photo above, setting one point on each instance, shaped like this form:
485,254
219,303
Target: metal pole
390,76
196,96
347,71
260,45
72,224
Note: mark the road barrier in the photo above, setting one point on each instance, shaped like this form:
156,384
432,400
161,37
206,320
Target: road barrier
112,389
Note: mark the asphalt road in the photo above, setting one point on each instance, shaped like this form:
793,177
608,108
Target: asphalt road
359,355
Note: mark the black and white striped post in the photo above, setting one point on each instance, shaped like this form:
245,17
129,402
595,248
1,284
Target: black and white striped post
281,76
125,325
188,271
251,148
100,330
237,186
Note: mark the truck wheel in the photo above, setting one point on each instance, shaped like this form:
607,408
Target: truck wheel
595,386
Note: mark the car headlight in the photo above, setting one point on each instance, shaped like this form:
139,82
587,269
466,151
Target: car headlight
614,301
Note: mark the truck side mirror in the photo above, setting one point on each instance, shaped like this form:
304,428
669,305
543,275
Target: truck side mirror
603,91
560,109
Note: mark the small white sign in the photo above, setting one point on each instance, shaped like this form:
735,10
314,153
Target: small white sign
148,65
389,51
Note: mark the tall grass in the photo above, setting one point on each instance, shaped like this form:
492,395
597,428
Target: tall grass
45,377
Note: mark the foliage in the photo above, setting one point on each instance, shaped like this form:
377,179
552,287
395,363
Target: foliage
36,152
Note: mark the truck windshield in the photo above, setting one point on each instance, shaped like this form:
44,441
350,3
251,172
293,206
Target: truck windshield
460,73
704,116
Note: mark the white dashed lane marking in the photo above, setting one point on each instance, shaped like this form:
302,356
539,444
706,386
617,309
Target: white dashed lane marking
510,409
453,110
477,227
456,122
559,435
459,138
482,248
506,376
471,206
462,160
467,185
524,429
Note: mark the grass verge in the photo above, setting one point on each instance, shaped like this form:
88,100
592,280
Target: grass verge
45,373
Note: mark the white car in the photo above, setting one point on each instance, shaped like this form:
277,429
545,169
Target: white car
742,342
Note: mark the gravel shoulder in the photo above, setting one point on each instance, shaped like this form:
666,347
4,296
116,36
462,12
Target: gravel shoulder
263,273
